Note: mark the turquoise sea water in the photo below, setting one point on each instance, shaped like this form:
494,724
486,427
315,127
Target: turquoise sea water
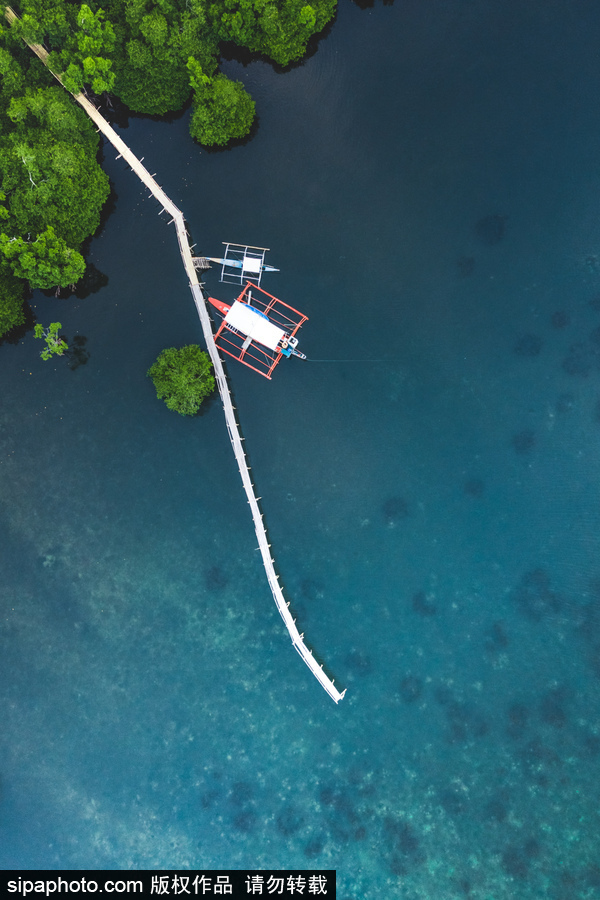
429,183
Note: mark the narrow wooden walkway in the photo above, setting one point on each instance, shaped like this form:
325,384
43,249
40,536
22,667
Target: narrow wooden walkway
232,425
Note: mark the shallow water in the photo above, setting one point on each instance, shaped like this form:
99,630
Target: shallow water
429,184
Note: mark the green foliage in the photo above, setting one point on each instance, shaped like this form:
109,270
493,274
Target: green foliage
55,345
29,29
52,110
139,48
222,108
183,378
154,40
198,79
48,169
150,84
81,42
45,262
12,298
11,74
49,20
278,28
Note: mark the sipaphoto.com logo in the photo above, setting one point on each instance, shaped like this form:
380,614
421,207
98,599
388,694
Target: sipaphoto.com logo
48,887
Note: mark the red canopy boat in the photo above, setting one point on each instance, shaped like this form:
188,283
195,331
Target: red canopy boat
258,329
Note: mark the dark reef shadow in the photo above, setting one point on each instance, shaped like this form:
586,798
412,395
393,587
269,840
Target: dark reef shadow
474,487
464,886
465,265
454,801
496,638
539,762
411,689
582,883
395,510
464,720
423,606
311,589
490,230
534,597
518,720
496,810
404,846
289,820
523,442
345,820
588,627
315,846
215,579
529,345
564,403
465,723
553,704
590,745
358,663
581,359
241,801
245,821
517,858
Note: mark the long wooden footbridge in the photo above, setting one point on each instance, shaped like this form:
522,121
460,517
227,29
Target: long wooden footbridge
232,425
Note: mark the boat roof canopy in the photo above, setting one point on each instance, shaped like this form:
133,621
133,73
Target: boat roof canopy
252,265
254,325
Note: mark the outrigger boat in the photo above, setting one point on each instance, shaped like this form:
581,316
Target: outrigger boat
247,265
258,329
242,263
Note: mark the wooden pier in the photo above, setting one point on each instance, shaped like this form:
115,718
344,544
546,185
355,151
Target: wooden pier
189,262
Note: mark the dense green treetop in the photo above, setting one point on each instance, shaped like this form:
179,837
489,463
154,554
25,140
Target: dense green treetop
222,109
48,167
52,188
45,262
12,296
139,49
278,28
183,378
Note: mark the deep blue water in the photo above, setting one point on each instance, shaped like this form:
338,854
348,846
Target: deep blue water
429,183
